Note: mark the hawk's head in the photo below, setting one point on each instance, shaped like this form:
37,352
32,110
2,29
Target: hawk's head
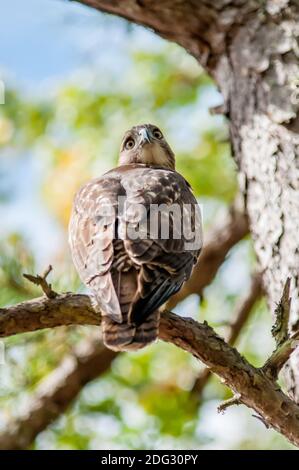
146,144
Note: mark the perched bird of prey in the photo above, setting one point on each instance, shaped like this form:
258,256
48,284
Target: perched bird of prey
135,234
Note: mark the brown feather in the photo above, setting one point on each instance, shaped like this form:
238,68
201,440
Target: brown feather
129,278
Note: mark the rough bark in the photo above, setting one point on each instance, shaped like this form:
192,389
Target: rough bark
253,387
250,47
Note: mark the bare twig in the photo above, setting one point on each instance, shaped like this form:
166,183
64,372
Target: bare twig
220,109
235,400
280,329
262,420
280,356
42,282
285,344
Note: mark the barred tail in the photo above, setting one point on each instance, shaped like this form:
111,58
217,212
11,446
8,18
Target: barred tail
129,337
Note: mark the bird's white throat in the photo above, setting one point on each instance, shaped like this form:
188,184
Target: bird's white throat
154,154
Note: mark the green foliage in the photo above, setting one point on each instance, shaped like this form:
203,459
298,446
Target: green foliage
15,259
22,122
170,79
177,409
210,169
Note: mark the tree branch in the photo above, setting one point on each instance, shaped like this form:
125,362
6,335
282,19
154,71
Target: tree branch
280,356
200,27
252,385
42,282
280,329
240,317
235,400
39,313
55,393
285,344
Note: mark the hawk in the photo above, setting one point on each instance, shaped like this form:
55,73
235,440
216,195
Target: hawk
135,234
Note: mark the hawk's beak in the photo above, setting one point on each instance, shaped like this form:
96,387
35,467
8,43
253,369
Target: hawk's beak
145,137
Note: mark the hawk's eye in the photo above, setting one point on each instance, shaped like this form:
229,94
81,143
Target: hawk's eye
158,134
129,143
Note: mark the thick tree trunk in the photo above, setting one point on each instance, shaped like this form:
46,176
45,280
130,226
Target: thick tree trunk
251,49
262,102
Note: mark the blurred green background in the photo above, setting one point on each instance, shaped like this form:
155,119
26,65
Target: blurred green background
75,80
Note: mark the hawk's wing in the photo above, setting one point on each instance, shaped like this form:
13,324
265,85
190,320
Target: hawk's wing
91,235
162,263
160,204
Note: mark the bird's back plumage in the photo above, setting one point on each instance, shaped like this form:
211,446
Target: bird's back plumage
132,277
